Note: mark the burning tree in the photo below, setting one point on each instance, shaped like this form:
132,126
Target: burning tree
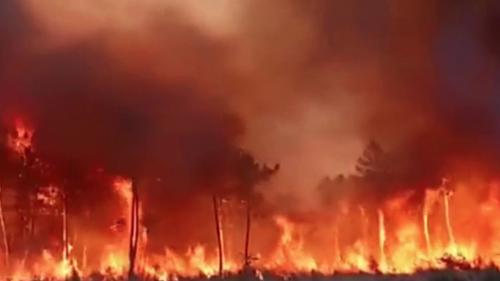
134,229
248,174
252,174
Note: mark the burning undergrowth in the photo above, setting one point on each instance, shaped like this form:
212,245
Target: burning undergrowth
125,141
76,118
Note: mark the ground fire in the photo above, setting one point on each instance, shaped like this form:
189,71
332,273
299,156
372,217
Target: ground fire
249,140
452,225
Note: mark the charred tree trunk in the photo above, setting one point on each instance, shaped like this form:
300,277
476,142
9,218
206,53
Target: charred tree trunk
134,231
65,241
247,236
4,231
84,257
32,222
219,236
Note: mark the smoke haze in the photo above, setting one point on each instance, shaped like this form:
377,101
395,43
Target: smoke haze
173,89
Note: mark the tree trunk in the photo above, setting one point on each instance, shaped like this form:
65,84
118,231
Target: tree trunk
247,236
65,253
219,237
4,232
134,231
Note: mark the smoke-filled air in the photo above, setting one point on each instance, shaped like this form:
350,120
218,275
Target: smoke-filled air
166,139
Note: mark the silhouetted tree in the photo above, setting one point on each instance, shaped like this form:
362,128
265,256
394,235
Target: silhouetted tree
373,162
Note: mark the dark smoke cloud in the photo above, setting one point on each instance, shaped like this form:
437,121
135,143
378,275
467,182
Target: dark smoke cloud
92,109
438,113
307,84
419,78
146,104
14,24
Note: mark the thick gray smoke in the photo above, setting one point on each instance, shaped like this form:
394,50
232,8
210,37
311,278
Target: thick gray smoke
145,104
154,89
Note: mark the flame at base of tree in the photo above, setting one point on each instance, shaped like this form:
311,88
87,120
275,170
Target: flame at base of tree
397,239
454,225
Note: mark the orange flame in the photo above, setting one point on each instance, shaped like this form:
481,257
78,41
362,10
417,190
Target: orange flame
406,242
21,138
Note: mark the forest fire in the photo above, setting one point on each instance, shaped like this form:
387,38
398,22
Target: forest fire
179,140
452,226
406,249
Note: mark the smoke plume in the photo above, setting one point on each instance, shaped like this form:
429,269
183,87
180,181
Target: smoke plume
169,94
